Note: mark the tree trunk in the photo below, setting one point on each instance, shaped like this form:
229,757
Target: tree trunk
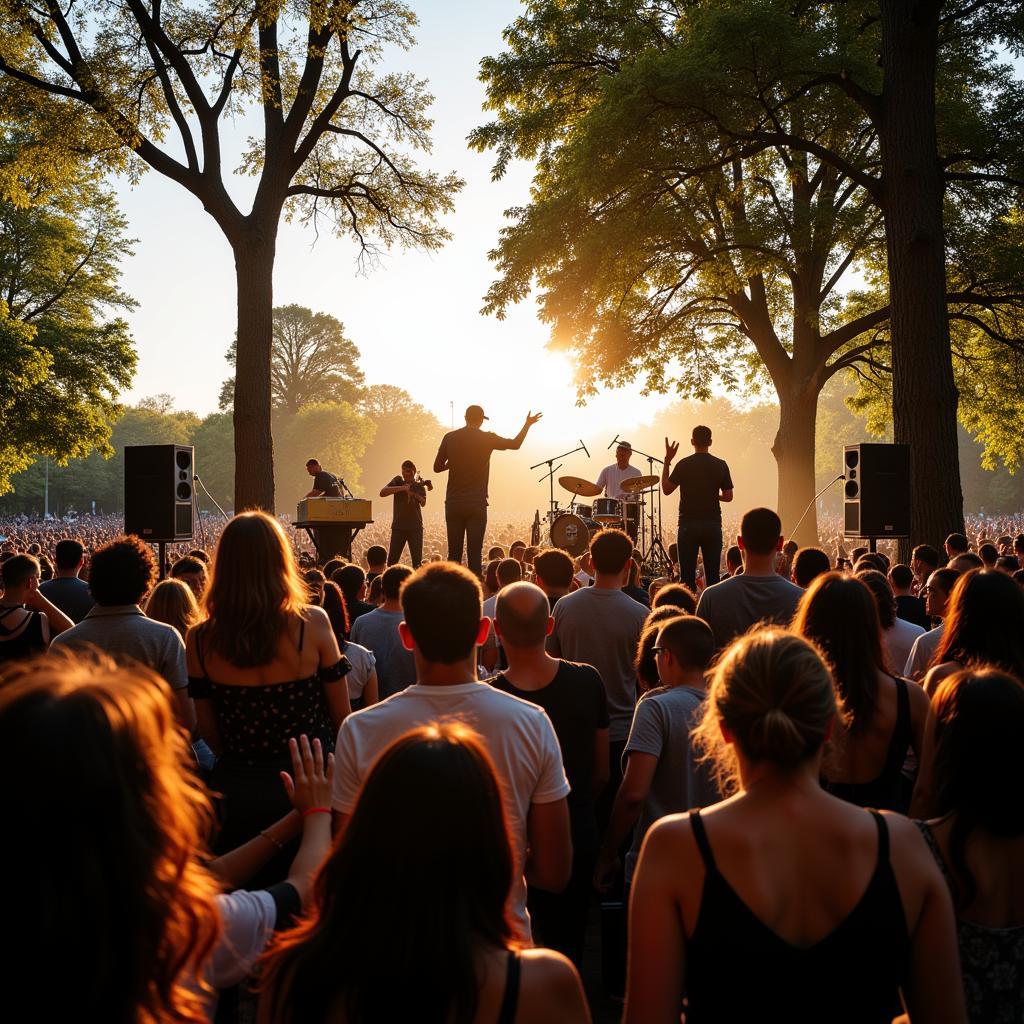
794,455
254,445
924,395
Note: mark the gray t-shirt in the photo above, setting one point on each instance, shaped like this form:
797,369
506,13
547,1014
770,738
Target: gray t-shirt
731,607
124,631
378,632
70,594
661,727
601,627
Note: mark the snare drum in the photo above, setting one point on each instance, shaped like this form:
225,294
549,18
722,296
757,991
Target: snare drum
607,510
570,533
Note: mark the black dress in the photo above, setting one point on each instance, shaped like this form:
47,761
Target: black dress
255,723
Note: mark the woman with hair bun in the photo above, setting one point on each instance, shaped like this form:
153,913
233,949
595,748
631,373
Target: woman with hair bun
784,902
977,832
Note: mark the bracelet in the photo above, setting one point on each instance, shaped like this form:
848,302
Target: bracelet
315,810
276,842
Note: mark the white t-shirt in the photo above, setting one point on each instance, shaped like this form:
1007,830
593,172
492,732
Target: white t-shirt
363,665
921,653
518,736
611,480
899,642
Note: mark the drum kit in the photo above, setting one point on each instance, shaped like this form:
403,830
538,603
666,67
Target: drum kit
570,528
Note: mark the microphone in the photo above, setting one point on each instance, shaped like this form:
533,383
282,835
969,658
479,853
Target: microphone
584,447
614,439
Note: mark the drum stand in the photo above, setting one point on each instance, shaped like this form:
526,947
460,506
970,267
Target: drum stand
552,470
655,557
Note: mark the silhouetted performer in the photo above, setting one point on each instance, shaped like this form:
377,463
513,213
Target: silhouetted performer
466,454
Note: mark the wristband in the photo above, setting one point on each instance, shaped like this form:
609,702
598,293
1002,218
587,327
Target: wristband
315,810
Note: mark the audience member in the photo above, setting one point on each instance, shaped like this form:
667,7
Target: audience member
377,631
898,635
808,564
936,598
263,666
661,774
554,570
976,833
784,900
1008,564
574,699
733,559
422,870
632,588
646,661
28,621
984,625
989,554
909,607
352,581
69,593
442,627
966,562
173,603
885,715
601,626
759,594
924,560
956,544
508,571
121,574
678,595
193,572
376,561
362,680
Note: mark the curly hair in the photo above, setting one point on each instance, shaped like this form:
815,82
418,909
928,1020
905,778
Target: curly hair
121,572
107,891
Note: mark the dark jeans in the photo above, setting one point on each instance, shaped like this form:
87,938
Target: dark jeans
706,535
466,521
399,538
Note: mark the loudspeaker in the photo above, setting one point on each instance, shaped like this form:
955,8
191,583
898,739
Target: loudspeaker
158,491
877,490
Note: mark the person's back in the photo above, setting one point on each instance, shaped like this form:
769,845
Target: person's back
976,833
468,451
377,631
69,593
782,902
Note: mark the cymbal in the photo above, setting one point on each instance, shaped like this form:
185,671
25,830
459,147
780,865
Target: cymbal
578,486
635,484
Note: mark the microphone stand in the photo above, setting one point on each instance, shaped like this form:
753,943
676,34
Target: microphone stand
552,469
831,483
655,555
195,476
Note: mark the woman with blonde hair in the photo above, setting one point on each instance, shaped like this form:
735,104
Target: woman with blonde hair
783,902
423,870
263,666
172,602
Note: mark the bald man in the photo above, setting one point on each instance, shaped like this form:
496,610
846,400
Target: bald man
574,698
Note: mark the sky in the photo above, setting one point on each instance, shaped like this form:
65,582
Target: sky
416,317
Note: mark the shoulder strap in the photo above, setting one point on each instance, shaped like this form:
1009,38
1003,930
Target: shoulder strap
510,1000
883,838
701,835
901,733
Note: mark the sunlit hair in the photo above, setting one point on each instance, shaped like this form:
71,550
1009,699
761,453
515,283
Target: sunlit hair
173,602
839,614
255,591
978,765
775,694
423,870
645,662
984,622
114,915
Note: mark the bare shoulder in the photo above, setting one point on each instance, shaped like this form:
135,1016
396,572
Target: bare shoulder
550,989
936,675
919,702
316,617
916,872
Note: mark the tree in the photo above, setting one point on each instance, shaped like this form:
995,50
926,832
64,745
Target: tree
336,136
403,429
311,361
64,357
710,89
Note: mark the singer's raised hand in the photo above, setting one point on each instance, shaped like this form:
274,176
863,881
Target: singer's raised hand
671,447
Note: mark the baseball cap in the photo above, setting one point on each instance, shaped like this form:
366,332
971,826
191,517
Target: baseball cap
475,412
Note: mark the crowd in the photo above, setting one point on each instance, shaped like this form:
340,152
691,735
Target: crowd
358,792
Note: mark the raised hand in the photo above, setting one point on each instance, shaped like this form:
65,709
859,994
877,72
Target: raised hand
671,447
532,417
309,785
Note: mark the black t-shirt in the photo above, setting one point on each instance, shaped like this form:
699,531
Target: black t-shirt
407,514
468,454
328,483
910,609
577,706
700,477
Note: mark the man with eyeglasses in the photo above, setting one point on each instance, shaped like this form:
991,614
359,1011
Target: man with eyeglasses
662,775
936,598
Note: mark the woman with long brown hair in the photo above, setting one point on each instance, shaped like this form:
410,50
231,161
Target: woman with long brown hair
885,715
173,603
263,666
409,914
114,915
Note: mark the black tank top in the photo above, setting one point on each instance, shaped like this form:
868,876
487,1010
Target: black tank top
20,638
889,791
738,969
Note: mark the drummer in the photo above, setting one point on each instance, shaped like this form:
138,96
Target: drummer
611,477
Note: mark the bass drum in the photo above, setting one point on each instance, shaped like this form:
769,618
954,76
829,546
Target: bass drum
570,533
